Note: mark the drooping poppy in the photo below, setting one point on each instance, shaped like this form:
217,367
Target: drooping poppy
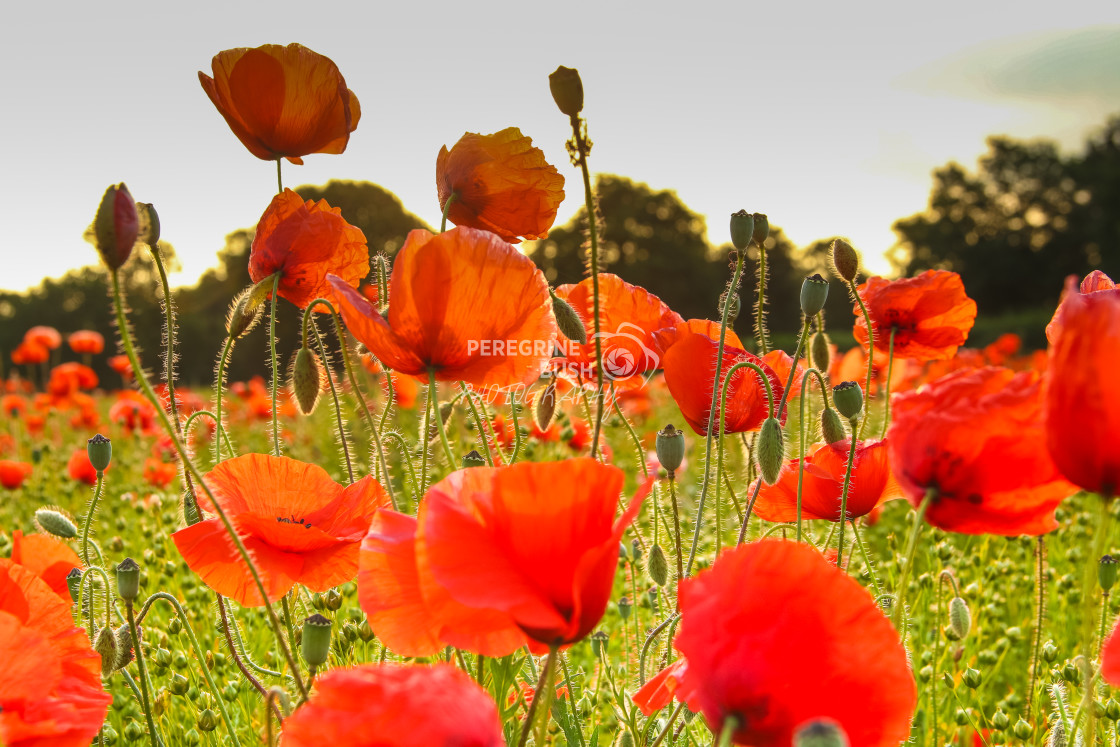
283,102
299,525
500,183
48,337
1093,283
465,304
86,342
690,366
975,440
538,541
823,484
1082,405
48,558
629,316
51,692
12,474
774,636
929,313
304,242
395,705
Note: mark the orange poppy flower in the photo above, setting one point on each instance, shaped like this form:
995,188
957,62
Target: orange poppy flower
1110,657
121,365
12,474
930,314
133,412
775,636
304,241
48,558
299,524
1082,406
283,102
412,614
501,183
12,405
976,437
158,473
781,362
690,366
667,337
629,315
48,337
1093,283
823,484
80,469
86,342
68,378
538,541
465,304
30,353
51,692
395,705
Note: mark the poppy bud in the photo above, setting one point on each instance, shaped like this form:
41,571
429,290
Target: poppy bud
161,659
761,228
108,735
822,732
55,521
106,646
814,292
174,626
545,406
771,452
149,223
567,320
365,632
124,647
820,354
333,600
657,566
73,583
128,579
116,226
133,732
1106,572
832,427
625,739
178,684
100,452
244,313
306,381
624,607
1057,736
742,229
567,90
473,459
960,619
848,398
207,720
844,260
316,643
670,448
733,310
1112,710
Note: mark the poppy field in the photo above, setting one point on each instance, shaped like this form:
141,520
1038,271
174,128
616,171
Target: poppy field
474,508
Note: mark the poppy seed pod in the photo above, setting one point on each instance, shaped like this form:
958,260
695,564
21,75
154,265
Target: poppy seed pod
848,398
814,292
567,320
316,643
567,90
100,452
473,459
832,427
771,451
116,226
844,260
54,521
74,583
761,228
149,223
670,448
207,720
128,579
822,732
742,229
960,619
1106,572
307,380
820,354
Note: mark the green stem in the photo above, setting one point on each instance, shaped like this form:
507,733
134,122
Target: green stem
478,424
279,180
668,725
218,390
138,649
218,432
544,689
424,443
870,350
727,731
760,332
272,350
747,515
89,517
887,384
439,420
513,407
866,558
844,497
1040,615
908,560
446,209
676,527
334,390
793,370
572,697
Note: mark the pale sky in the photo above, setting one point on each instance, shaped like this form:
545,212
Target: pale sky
828,117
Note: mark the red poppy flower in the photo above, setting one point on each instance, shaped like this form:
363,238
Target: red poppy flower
395,705
159,474
68,378
1110,657
823,484
86,342
775,636
501,183
283,101
46,557
930,314
629,315
299,524
538,541
465,304
121,365
48,337
133,412
1082,404
12,405
412,614
690,366
51,692
667,337
80,469
780,363
30,353
1093,283
976,438
12,474
304,241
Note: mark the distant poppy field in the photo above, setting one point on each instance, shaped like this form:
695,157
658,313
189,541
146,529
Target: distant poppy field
477,509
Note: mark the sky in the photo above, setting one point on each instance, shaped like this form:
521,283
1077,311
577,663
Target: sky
828,117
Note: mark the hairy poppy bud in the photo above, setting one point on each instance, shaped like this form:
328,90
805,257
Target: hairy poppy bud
207,720
1106,572
820,354
625,739
567,90
128,579
567,320
55,521
814,292
1049,652
848,398
732,310
670,448
116,226
307,380
761,228
844,260
73,583
960,619
106,646
771,452
742,229
822,732
174,626
244,313
832,427
316,643
125,647
473,459
1112,710
657,566
100,452
544,407
149,223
